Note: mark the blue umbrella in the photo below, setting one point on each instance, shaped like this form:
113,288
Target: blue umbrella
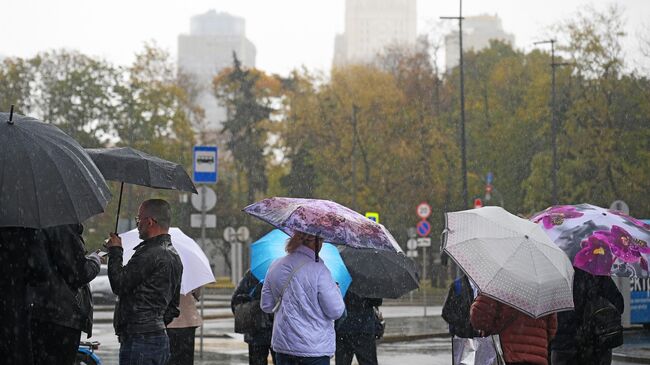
271,247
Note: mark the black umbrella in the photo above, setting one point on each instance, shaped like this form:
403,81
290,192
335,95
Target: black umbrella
128,165
379,273
46,177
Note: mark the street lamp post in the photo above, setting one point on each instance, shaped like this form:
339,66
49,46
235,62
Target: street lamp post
554,123
463,163
463,153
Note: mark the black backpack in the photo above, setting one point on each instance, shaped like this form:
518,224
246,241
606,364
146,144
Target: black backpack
601,324
456,309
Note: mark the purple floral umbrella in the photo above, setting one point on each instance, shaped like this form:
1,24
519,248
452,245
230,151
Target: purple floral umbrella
598,240
332,221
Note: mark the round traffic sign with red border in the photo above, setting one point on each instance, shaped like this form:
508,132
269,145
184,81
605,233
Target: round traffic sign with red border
424,228
423,210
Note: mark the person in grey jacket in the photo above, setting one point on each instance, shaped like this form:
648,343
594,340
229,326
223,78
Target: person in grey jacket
306,302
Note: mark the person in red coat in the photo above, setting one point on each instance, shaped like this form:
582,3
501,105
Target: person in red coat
524,339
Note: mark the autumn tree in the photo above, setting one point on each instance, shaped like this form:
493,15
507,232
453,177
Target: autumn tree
248,96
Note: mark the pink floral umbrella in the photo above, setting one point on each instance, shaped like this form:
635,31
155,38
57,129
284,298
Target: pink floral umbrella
598,240
332,221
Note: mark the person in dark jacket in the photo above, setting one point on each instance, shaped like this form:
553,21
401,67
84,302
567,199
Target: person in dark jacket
259,342
148,287
355,335
566,348
18,269
62,305
455,310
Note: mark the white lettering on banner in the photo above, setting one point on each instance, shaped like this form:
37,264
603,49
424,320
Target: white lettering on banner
637,284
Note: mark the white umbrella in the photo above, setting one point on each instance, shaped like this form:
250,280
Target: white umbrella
196,267
511,260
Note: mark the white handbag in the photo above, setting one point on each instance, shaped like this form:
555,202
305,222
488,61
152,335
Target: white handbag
473,351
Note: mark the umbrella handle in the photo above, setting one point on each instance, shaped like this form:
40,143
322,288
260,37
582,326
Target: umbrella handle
443,238
11,115
119,205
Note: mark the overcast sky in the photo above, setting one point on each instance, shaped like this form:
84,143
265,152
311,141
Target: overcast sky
286,33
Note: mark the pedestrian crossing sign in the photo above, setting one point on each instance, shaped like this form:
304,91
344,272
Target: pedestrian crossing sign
373,216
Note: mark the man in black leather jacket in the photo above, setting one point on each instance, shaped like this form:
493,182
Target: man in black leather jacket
148,287
62,304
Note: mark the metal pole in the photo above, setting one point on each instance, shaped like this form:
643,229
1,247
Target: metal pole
554,122
424,278
462,108
203,206
463,166
553,129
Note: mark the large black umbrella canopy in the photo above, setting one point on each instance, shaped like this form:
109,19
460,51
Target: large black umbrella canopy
379,273
46,177
129,165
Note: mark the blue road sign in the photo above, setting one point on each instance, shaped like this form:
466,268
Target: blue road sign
489,178
423,227
205,164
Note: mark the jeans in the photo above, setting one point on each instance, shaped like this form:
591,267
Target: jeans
284,359
144,349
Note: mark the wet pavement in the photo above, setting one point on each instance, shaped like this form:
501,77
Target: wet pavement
403,324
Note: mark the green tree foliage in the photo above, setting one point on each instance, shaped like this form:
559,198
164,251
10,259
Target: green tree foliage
248,96
368,138
605,130
76,93
15,77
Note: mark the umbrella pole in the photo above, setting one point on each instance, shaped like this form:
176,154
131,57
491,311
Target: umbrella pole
119,205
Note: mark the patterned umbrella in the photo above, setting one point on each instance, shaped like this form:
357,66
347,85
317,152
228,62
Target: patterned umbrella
510,259
324,218
598,240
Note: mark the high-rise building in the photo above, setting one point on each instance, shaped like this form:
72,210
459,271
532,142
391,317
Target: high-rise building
207,50
371,26
478,31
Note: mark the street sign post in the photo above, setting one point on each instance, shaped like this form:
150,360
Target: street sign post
411,232
423,210
620,206
205,164
374,216
412,244
243,234
423,228
230,234
207,194
424,242
197,220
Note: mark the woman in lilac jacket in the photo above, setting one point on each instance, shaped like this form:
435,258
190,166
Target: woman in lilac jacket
303,329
